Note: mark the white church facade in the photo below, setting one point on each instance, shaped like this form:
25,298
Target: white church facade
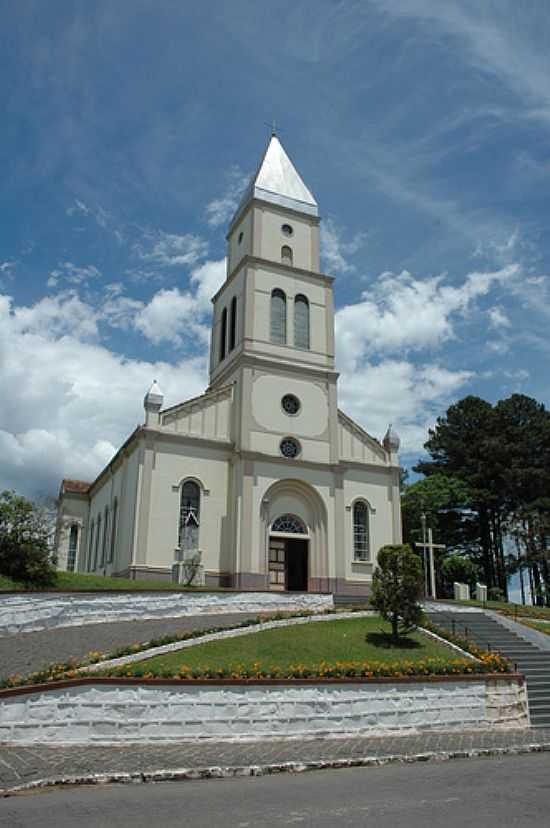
261,482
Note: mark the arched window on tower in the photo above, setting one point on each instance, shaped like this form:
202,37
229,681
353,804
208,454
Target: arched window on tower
361,545
223,334
233,324
286,254
190,510
278,317
301,322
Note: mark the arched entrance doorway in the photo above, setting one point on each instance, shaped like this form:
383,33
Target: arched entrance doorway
294,522
288,554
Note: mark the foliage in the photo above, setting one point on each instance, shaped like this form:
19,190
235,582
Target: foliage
501,454
397,588
25,554
457,568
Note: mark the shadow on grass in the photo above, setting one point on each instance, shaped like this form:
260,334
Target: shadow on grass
386,642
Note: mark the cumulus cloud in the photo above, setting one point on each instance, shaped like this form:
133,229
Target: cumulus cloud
406,394
174,315
220,210
69,402
171,250
335,251
401,312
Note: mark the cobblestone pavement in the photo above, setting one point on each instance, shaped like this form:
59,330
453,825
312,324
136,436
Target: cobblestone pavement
22,767
26,652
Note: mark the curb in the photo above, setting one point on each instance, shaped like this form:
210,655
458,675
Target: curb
234,771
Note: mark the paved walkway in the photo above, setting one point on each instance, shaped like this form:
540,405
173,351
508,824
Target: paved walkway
24,767
27,652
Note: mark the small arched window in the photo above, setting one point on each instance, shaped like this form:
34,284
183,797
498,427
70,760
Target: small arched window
286,254
113,532
97,539
73,544
278,317
104,538
190,509
361,545
90,547
301,322
290,524
233,324
223,334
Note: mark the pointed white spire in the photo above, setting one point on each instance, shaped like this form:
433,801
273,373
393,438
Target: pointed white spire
278,182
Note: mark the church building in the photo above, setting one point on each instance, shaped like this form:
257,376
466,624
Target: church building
262,482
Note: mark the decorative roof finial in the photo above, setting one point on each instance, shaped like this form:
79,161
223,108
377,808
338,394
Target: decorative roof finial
391,440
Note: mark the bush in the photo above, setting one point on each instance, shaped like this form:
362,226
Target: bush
496,594
24,549
456,568
397,588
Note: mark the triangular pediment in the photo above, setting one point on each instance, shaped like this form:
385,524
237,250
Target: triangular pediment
357,444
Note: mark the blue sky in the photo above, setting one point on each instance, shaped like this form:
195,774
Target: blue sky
129,129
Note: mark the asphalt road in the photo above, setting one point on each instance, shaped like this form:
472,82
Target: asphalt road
512,791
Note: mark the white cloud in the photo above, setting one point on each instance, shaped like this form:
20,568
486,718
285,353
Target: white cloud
68,402
498,318
402,312
334,250
7,267
170,250
508,45
174,315
409,396
102,217
220,211
72,274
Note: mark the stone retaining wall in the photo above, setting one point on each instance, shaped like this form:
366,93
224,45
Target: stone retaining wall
27,613
151,712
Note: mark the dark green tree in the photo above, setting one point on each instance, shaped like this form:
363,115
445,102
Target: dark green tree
25,553
397,589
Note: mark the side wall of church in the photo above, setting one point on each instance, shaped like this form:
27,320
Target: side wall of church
73,511
175,462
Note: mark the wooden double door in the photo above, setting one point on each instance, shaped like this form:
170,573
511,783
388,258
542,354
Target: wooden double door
288,564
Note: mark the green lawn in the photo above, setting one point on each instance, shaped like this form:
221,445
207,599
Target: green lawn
508,608
307,644
76,582
541,626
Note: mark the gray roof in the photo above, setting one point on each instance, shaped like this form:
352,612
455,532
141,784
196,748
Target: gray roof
278,182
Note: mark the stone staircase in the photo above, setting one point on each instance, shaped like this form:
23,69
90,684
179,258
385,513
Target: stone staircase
529,659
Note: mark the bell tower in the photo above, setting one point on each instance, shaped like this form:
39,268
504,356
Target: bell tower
273,325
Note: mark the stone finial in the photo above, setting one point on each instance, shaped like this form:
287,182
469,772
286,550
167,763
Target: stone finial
391,441
152,402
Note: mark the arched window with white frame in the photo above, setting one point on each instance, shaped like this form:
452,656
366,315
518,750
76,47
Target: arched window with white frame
286,255
278,317
112,543
189,519
73,546
97,541
301,322
90,547
361,541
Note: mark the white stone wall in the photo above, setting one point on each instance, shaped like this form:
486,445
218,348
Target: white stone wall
26,613
146,713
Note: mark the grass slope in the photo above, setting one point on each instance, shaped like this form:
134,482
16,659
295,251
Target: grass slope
356,639
77,582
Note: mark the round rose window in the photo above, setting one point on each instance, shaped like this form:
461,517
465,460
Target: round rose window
290,403
290,447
